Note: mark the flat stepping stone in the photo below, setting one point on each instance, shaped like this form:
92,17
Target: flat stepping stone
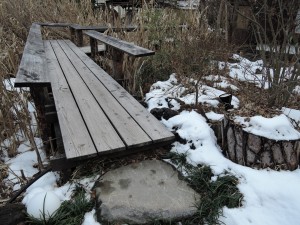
142,192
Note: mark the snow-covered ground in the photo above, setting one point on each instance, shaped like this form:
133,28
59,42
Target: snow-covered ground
270,197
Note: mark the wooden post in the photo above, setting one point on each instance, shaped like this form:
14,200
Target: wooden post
117,70
79,38
72,31
94,47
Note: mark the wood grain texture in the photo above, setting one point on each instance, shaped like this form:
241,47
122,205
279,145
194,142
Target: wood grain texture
31,71
130,131
75,135
102,132
123,46
155,129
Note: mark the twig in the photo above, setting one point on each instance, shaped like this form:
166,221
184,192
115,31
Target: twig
29,184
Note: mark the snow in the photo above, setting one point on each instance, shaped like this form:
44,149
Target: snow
221,82
43,194
214,116
270,197
293,114
297,89
277,128
162,90
24,161
89,218
43,205
9,84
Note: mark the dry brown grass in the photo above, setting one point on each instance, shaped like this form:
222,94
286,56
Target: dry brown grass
164,30
16,18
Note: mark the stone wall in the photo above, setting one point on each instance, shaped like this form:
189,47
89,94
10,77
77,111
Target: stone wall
256,151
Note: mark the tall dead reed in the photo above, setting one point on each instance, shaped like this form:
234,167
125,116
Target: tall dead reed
16,18
166,31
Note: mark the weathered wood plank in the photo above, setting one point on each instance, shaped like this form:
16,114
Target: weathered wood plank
102,28
130,132
55,24
121,45
104,136
155,129
76,138
31,70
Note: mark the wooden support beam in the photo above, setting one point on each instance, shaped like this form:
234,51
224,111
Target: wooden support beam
61,163
94,47
117,58
50,108
72,34
79,38
51,117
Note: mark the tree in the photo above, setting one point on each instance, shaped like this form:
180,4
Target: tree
273,23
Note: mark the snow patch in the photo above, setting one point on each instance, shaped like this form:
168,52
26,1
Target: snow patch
43,205
89,218
278,128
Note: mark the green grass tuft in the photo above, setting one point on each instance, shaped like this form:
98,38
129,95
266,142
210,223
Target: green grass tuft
214,194
69,213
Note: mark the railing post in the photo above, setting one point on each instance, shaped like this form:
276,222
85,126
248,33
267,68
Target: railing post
94,47
72,31
79,37
117,70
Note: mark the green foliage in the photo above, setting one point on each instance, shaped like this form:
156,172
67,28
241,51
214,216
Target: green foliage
69,213
214,194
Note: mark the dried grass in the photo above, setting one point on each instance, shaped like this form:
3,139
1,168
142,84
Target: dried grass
164,30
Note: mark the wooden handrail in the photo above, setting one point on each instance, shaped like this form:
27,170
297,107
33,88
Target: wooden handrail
123,46
117,49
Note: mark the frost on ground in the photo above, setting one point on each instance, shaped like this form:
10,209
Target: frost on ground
270,197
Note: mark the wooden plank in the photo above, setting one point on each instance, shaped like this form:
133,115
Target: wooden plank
55,24
76,138
155,129
130,132
102,28
104,136
87,49
31,70
121,45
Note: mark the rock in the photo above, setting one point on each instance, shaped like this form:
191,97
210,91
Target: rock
290,155
143,192
250,157
248,149
239,146
277,154
231,144
266,159
165,113
254,143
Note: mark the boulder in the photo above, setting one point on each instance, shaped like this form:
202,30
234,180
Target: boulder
142,192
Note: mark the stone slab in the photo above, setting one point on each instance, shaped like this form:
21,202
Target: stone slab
142,192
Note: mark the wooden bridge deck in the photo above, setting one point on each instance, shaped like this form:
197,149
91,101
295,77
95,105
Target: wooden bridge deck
96,115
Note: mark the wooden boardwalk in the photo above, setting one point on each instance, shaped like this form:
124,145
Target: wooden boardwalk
96,115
